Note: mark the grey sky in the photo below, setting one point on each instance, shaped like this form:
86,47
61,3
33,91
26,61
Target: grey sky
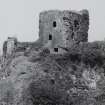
20,17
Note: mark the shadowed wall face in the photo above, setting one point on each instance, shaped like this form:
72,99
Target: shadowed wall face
59,29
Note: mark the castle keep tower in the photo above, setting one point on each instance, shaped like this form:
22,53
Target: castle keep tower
61,29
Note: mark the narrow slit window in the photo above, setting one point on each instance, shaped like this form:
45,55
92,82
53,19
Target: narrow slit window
54,24
72,36
50,37
56,49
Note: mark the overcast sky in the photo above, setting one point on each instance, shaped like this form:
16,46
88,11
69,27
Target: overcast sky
20,17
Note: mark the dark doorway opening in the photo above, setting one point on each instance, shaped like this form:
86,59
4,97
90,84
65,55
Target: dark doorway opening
56,49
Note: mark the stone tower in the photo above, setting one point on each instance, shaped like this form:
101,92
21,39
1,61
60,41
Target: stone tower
9,46
61,29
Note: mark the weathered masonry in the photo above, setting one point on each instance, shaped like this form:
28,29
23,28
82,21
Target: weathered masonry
61,29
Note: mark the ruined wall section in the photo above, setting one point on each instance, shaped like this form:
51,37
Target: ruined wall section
12,47
75,26
9,46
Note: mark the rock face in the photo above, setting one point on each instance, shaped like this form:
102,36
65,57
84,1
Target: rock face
69,76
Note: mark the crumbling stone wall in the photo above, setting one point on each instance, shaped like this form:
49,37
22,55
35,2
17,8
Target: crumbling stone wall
9,46
12,46
59,29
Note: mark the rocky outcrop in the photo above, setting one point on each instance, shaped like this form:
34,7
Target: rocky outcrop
50,79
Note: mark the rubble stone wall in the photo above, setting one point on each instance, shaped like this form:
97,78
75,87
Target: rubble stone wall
59,29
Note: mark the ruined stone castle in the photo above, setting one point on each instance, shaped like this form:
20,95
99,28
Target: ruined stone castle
57,30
